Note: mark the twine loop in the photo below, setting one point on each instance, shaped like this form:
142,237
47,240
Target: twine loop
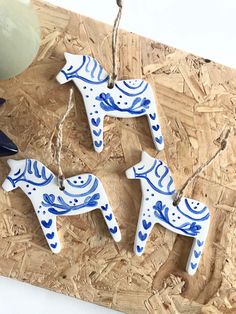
59,141
223,144
115,31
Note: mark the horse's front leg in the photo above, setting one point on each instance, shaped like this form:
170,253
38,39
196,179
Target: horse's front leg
95,118
49,228
144,228
155,127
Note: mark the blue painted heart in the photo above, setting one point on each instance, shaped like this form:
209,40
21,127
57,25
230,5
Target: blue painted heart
98,144
113,230
200,243
146,225
159,140
193,265
197,254
50,235
97,133
109,217
104,207
53,245
46,224
156,127
96,122
139,249
152,116
142,236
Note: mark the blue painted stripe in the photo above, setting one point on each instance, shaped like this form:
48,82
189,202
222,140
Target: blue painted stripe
39,184
163,177
100,72
18,172
36,170
29,164
87,65
132,95
94,68
132,87
91,190
192,210
195,219
81,185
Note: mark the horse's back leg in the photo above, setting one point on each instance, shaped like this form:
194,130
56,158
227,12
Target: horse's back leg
195,254
96,129
144,228
50,232
155,127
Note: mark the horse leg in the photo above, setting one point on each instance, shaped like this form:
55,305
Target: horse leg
144,228
110,219
155,128
195,254
50,232
96,129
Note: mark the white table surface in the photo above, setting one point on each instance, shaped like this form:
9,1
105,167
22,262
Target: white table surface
203,27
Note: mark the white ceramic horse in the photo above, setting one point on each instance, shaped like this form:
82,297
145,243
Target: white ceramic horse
82,193
190,218
131,98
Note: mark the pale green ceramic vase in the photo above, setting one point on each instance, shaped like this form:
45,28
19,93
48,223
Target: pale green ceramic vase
19,37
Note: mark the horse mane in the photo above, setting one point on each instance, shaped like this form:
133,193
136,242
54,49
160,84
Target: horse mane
90,71
163,182
34,173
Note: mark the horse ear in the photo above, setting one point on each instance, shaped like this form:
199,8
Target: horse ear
146,157
11,162
68,55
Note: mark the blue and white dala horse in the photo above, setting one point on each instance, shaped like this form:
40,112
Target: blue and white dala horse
190,218
82,193
129,98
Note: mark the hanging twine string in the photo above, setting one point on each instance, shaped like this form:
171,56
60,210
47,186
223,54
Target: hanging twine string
204,166
115,31
59,141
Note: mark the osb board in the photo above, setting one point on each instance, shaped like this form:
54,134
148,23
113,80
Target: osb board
197,100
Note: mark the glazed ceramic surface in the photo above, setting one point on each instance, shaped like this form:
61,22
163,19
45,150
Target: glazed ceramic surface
130,98
190,218
82,193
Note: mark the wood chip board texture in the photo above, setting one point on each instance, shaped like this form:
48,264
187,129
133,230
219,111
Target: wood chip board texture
197,99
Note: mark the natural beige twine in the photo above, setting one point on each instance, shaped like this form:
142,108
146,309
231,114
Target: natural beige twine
204,166
59,140
115,32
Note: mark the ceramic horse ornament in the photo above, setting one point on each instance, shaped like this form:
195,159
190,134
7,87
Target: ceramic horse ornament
190,218
129,98
82,193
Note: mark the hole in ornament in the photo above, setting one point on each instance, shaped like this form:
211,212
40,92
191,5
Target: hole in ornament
110,85
62,188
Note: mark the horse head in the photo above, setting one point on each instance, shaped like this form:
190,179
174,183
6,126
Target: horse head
26,172
17,170
154,172
84,68
140,168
